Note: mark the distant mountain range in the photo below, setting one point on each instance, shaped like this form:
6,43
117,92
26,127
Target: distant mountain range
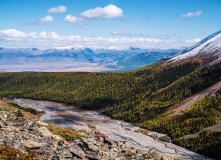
207,51
114,59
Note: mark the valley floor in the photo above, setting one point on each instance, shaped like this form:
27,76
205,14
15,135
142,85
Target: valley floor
76,118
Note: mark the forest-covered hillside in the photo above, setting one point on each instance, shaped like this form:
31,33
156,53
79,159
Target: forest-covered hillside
150,89
92,90
143,95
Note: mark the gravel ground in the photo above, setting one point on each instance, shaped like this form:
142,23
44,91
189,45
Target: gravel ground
72,117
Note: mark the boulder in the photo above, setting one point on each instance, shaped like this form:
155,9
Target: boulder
45,132
32,145
92,157
20,113
77,151
89,145
42,123
108,141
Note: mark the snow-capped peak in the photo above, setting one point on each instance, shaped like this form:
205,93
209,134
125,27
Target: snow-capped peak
211,44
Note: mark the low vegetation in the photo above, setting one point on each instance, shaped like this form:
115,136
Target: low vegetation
144,131
31,110
6,106
165,139
66,133
128,128
9,153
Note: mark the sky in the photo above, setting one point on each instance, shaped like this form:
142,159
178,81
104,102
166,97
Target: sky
161,24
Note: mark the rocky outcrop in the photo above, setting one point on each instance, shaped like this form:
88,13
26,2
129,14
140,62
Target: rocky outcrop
24,133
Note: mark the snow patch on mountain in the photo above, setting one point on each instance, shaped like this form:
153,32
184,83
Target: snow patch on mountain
208,45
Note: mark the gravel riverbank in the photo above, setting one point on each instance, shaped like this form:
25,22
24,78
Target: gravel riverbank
72,117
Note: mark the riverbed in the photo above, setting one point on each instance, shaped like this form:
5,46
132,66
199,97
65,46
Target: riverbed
77,118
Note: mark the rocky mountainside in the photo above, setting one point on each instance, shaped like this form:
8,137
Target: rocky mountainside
207,51
27,135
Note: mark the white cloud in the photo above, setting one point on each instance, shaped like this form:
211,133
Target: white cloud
166,36
44,40
193,40
12,33
73,19
110,11
122,34
47,19
59,9
42,21
191,14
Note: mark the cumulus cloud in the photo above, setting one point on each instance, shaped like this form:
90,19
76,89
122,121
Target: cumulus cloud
110,11
193,40
59,9
191,14
45,40
73,19
42,21
47,19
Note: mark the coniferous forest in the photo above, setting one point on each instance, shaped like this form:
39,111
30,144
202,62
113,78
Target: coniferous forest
141,96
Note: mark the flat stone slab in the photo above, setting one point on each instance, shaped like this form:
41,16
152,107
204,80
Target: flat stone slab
32,145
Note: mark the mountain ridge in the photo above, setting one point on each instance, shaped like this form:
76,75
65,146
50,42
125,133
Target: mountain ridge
207,51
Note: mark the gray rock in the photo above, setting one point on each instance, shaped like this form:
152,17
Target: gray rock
20,113
108,141
77,151
32,145
89,145
2,124
45,132
92,157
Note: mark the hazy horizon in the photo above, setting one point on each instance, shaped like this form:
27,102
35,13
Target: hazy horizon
109,24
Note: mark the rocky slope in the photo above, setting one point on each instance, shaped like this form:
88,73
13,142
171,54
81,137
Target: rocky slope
79,119
24,133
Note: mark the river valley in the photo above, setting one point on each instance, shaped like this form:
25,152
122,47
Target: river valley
77,118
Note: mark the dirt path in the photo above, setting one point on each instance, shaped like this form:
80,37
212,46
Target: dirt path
216,126
187,103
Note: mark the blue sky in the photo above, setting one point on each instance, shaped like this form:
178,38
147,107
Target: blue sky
107,23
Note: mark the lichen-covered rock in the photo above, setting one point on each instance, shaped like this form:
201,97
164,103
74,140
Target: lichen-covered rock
77,151
20,113
42,123
87,142
32,145
92,157
45,132
20,133
109,141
